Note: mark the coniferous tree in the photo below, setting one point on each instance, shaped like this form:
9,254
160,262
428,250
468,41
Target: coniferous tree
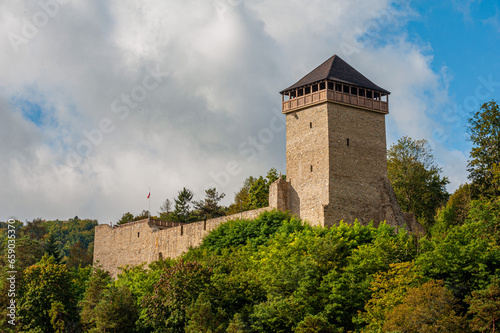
209,207
127,217
52,249
182,211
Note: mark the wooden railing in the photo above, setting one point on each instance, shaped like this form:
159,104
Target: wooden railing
335,96
164,224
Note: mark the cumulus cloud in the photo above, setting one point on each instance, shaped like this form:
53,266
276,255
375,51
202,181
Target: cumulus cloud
166,94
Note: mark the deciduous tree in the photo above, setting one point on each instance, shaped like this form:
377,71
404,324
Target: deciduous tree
485,308
177,288
166,210
47,286
456,210
416,179
484,130
429,308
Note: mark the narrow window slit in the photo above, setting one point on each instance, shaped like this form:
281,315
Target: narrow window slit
347,142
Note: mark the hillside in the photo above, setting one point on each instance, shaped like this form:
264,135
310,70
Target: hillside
275,274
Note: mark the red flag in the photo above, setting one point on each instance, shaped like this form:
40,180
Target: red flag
148,195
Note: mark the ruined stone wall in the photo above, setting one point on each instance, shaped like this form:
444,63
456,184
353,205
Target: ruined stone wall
139,242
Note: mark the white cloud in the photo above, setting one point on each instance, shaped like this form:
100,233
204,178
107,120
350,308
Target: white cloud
226,61
465,7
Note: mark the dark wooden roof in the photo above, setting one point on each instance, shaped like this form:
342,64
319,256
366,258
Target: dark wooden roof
336,69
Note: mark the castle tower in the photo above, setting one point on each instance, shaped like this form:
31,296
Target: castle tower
336,148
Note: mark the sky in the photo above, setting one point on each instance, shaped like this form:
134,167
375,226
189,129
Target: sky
102,102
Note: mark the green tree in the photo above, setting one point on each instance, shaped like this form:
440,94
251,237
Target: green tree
68,233
47,293
254,193
389,289
98,283
116,311
28,252
57,315
202,317
349,286
464,258
79,256
209,207
241,200
426,309
254,232
236,325
127,217
258,194
315,324
486,213
485,307
141,283
35,229
416,179
52,248
484,130
165,210
456,210
142,216
182,211
177,288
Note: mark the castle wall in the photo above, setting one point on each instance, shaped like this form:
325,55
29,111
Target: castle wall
138,242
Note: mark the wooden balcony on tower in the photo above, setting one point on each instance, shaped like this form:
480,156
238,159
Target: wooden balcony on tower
336,81
336,92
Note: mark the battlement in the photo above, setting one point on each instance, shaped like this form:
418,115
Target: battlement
160,224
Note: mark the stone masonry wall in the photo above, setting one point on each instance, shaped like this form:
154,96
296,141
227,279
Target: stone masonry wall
357,163
337,167
139,242
307,165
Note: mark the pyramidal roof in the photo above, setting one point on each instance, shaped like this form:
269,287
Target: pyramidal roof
336,69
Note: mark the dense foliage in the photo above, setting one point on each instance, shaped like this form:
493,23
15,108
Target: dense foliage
275,274
416,179
484,165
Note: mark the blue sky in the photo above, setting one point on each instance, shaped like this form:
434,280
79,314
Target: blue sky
464,40
105,99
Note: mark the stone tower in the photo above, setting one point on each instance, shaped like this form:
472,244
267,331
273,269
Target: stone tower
336,149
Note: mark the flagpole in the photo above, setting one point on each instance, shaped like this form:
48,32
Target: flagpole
149,208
